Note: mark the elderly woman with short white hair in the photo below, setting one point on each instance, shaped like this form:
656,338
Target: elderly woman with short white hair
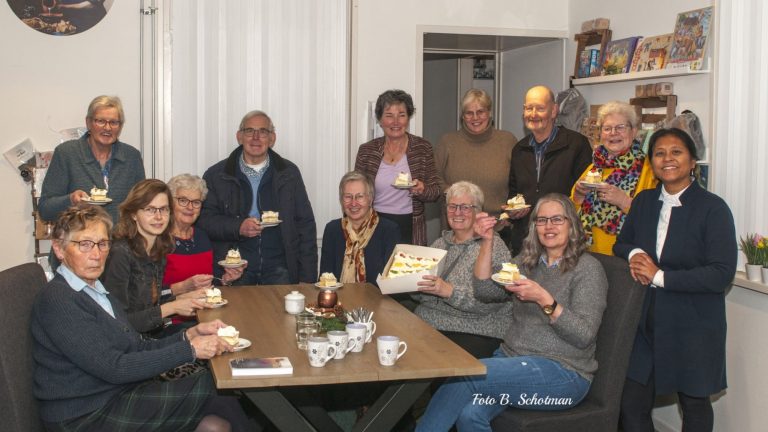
447,301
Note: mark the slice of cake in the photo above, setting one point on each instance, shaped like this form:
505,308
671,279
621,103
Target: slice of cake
594,176
270,217
327,280
403,179
230,335
503,216
516,202
98,194
509,272
233,257
213,295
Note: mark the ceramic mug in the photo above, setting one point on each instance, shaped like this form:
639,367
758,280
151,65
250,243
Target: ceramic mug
389,349
357,333
319,351
370,327
341,341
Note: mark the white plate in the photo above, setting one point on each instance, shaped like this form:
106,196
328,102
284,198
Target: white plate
223,302
510,208
404,186
592,185
224,264
329,288
98,203
242,344
270,224
496,279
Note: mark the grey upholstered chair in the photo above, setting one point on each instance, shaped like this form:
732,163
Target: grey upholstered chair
599,411
18,408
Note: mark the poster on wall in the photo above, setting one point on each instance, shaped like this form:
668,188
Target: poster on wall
60,17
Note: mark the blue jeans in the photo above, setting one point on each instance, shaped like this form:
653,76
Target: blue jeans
524,382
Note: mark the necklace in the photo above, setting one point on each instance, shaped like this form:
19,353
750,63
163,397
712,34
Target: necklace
393,155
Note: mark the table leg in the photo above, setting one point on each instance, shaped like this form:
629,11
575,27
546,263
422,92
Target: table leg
384,414
278,410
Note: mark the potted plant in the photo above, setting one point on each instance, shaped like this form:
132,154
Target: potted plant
750,246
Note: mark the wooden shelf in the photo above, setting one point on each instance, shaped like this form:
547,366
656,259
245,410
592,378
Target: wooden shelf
635,76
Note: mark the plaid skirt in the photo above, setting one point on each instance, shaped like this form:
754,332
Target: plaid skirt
150,406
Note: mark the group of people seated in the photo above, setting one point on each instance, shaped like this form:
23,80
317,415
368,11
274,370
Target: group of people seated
121,309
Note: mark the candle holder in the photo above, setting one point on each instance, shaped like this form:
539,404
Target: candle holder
327,299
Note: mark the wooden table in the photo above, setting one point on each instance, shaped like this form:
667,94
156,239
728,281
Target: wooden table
259,314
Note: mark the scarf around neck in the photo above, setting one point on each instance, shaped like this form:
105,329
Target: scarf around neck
353,267
626,173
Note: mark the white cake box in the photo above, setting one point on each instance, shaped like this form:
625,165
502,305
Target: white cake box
407,283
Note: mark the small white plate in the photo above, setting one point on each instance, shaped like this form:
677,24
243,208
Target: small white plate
510,208
242,344
223,302
592,185
404,186
270,224
329,288
496,279
98,203
224,264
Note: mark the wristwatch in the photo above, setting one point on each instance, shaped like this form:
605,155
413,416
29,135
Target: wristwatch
550,309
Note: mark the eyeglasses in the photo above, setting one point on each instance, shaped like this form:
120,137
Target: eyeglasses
460,208
260,133
103,122
540,109
184,202
348,198
620,129
155,210
481,113
556,220
87,245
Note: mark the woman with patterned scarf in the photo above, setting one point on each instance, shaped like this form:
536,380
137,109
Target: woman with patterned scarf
356,247
625,172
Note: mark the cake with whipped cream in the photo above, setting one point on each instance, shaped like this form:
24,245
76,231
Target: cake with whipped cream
230,335
509,272
403,179
594,176
233,257
404,264
327,280
213,295
98,194
516,202
270,217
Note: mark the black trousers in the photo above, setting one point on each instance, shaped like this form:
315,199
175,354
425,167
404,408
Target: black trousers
637,403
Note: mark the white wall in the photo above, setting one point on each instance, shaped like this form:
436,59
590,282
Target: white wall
46,83
384,46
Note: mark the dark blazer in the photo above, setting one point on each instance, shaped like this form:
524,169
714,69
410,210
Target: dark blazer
565,159
229,202
377,251
688,324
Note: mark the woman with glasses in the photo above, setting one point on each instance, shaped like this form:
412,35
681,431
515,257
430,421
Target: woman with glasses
680,241
134,270
189,267
477,144
357,246
620,158
97,159
447,301
93,371
383,159
547,359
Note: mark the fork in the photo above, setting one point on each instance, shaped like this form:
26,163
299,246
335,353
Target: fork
223,282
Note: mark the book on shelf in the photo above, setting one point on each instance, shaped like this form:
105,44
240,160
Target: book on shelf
618,55
584,64
651,53
689,40
250,367
594,62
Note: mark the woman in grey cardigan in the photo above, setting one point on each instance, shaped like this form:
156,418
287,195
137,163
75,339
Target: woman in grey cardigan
447,301
547,359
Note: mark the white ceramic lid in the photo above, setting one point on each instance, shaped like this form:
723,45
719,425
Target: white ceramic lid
294,295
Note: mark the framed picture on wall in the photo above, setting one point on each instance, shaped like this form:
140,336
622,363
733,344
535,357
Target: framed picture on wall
60,17
483,69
